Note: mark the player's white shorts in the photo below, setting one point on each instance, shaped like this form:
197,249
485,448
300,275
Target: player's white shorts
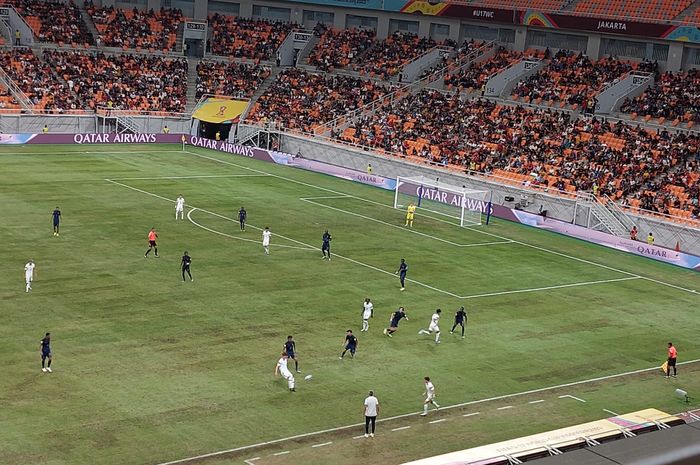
179,208
28,278
434,328
287,375
429,398
266,243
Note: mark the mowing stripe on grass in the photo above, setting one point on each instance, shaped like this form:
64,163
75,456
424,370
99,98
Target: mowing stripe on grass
413,414
196,176
480,231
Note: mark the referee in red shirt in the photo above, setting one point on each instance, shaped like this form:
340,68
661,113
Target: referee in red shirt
671,360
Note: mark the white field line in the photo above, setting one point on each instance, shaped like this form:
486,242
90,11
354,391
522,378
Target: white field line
537,401
412,231
195,176
572,397
284,452
100,152
413,414
471,414
354,437
610,412
322,444
561,286
437,421
480,231
306,246
400,428
205,211
505,408
189,217
250,461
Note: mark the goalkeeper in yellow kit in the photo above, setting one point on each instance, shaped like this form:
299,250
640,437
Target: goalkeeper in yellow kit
410,212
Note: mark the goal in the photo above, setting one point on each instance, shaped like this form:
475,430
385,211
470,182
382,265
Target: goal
471,207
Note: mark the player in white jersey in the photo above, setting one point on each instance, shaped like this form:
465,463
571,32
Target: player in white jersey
429,396
282,369
367,313
29,275
180,207
266,240
433,328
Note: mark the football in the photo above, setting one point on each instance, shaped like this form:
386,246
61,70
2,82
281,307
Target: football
308,377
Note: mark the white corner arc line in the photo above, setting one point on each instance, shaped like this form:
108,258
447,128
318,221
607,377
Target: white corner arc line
412,231
525,244
561,286
572,397
413,414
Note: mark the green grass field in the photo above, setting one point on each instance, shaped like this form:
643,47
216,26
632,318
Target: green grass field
149,369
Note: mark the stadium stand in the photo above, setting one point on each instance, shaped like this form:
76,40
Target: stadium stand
539,147
130,82
656,10
572,78
54,21
337,49
385,58
673,97
8,103
302,101
246,38
36,80
236,80
477,74
153,30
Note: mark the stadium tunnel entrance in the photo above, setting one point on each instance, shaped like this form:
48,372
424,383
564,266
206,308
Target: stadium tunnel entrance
210,130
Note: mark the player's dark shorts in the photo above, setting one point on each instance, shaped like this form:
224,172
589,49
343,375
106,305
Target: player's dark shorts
45,354
290,354
55,222
351,348
459,322
672,362
326,246
394,323
152,243
185,268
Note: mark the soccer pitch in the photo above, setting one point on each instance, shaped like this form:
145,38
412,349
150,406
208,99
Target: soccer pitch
148,369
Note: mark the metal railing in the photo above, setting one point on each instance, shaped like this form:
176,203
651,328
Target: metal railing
16,91
407,89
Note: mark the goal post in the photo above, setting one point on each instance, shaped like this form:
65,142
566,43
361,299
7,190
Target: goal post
469,207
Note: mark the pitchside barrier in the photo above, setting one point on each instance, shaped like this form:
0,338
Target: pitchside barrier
562,441
483,207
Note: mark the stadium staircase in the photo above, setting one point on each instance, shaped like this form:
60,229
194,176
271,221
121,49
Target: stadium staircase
606,216
191,100
261,90
126,124
87,19
16,92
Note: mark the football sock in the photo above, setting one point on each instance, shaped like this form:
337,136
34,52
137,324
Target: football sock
49,364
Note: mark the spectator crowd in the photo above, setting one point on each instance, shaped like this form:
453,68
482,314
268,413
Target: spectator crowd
54,21
236,80
254,39
146,29
337,49
673,96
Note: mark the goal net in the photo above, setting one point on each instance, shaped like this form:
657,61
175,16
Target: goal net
470,207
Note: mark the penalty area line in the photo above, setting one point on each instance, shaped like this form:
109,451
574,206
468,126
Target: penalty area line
479,231
414,414
561,286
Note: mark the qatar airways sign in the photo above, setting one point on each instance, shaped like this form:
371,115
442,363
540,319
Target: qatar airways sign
446,197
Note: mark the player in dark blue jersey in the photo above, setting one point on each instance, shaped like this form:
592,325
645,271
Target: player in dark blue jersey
326,247
350,343
46,353
403,269
242,216
396,317
185,265
56,220
290,347
460,319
